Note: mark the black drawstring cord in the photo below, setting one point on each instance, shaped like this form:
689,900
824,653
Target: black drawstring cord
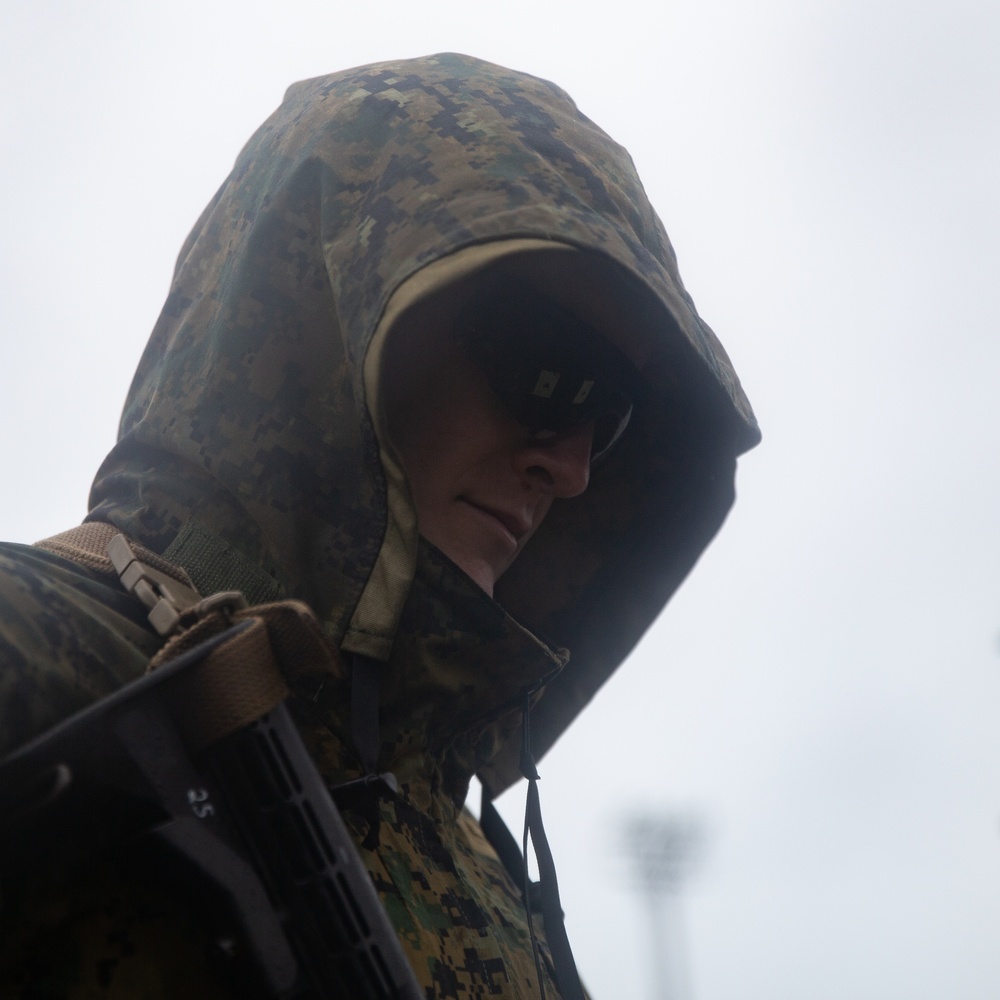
365,728
529,771
567,977
362,794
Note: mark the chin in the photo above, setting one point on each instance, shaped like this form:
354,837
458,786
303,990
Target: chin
478,571
482,571
483,580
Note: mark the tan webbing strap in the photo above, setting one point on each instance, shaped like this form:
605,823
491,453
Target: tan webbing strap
234,685
242,679
87,545
237,681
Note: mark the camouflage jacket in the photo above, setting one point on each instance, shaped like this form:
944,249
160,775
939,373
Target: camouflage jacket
252,453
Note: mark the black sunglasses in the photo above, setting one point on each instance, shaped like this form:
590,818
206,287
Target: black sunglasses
551,371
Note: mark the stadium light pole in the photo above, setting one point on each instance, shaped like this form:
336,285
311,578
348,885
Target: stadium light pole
663,848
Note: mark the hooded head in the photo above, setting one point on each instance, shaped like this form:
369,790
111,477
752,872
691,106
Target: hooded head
259,447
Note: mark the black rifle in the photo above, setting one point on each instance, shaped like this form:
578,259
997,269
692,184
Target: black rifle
247,822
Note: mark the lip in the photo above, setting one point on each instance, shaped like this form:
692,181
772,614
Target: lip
516,525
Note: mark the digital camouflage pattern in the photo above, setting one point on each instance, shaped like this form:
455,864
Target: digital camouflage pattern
250,455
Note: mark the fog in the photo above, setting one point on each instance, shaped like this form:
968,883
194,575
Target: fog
823,692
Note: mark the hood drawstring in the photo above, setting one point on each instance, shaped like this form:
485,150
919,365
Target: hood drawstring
567,977
362,794
543,894
365,728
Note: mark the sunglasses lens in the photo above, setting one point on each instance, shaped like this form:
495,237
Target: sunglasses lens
551,371
609,410
608,428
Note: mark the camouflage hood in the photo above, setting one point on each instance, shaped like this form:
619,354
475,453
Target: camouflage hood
251,449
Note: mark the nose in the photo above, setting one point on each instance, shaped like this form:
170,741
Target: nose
560,465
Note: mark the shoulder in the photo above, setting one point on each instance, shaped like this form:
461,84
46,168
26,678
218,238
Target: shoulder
68,636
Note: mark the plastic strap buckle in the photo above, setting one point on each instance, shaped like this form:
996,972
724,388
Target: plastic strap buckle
166,598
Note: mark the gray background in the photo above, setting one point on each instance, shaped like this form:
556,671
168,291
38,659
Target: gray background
823,693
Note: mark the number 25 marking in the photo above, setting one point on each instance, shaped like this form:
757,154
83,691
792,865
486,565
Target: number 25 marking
198,800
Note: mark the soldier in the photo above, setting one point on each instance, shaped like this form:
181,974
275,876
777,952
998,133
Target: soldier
427,366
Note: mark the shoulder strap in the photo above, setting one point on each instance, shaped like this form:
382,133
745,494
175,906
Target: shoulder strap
87,545
239,680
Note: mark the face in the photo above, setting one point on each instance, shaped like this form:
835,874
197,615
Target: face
481,483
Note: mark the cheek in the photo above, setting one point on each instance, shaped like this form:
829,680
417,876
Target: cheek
421,434
440,463
452,438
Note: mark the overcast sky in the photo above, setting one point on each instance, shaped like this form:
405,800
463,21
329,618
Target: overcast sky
824,691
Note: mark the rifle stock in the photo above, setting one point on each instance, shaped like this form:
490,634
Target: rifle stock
246,822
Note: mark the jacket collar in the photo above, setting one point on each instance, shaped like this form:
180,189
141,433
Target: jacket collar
450,695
